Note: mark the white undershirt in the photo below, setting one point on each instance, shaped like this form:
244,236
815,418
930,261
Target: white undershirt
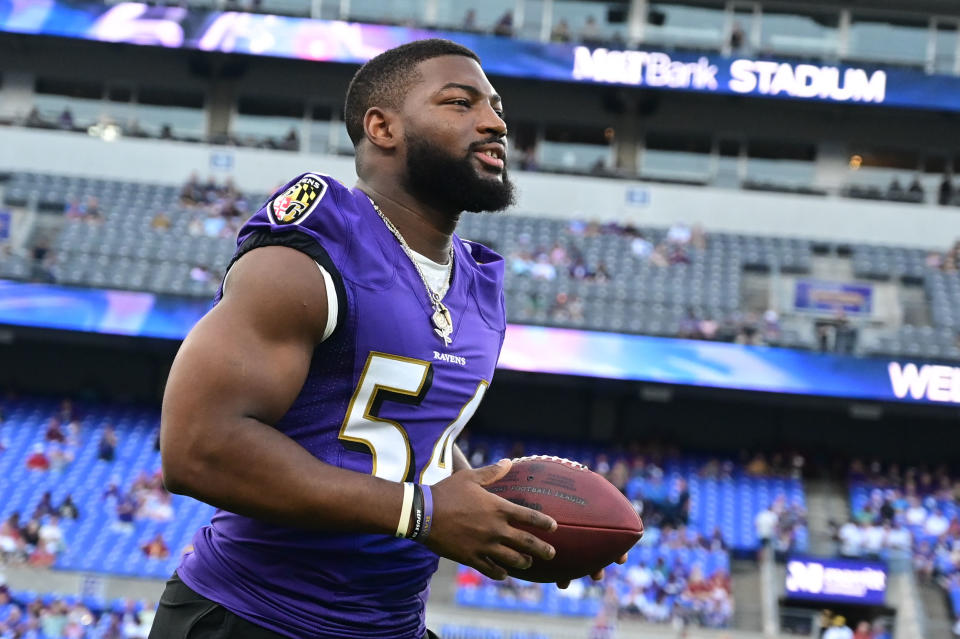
438,277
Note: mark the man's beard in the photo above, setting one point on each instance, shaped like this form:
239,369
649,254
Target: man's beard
452,183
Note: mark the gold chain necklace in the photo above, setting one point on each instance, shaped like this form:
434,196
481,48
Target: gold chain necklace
442,321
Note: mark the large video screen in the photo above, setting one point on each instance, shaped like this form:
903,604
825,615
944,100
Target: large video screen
850,581
538,349
336,41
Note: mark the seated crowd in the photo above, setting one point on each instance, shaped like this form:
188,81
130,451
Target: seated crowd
908,516
26,615
679,572
38,539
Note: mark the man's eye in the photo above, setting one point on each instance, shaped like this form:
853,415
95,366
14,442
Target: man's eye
461,102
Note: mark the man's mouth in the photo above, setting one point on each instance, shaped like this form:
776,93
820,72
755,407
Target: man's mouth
489,159
492,155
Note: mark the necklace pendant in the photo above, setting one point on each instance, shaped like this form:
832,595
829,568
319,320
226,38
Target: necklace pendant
443,323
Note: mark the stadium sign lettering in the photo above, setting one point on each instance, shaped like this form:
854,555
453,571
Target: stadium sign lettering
807,81
650,68
822,579
933,382
758,77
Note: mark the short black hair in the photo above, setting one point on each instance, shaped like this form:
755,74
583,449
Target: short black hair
386,78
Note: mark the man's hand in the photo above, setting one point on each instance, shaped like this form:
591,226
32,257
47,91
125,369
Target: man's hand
474,527
597,576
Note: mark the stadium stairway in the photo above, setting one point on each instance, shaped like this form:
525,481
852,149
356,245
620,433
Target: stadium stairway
935,612
748,613
826,501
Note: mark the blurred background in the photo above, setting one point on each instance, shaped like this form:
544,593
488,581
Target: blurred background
732,287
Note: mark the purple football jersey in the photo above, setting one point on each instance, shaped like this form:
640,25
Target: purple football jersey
383,396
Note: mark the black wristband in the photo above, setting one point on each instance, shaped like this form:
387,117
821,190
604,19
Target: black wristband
416,514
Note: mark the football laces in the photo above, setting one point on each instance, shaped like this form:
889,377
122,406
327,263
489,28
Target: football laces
562,460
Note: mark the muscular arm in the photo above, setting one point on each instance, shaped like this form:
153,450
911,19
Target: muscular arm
237,373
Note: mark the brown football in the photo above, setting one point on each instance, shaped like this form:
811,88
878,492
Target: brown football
596,524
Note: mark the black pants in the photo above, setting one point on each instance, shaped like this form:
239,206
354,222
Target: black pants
185,614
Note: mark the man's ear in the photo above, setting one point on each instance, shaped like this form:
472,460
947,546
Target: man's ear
382,127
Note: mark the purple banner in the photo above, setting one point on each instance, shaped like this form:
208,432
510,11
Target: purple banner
837,580
346,42
831,297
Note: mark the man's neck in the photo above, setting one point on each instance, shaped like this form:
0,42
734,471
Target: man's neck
427,231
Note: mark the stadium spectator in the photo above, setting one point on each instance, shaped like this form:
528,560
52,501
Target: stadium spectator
838,629
850,536
92,213
470,21
679,234
107,448
291,141
67,509
945,193
192,192
156,548
60,456
38,459
200,273
30,532
542,269
160,221
51,535
561,31
737,38
504,25
12,544
126,510
601,274
65,119
765,525
895,190
156,505
112,491
916,514
34,119
641,247
659,257
528,158
195,226
873,541
44,506
916,188
936,524
590,34
73,210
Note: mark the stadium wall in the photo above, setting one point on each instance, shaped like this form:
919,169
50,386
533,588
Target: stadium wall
828,218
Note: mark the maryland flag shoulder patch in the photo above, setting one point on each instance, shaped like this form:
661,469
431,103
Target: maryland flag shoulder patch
297,202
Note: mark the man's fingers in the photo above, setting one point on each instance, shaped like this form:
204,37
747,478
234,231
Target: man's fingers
563,585
489,474
623,559
490,569
531,517
597,576
531,544
510,558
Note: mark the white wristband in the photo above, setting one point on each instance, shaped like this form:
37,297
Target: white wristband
405,510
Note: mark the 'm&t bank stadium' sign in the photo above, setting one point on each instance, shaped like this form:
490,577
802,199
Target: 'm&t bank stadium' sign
739,76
